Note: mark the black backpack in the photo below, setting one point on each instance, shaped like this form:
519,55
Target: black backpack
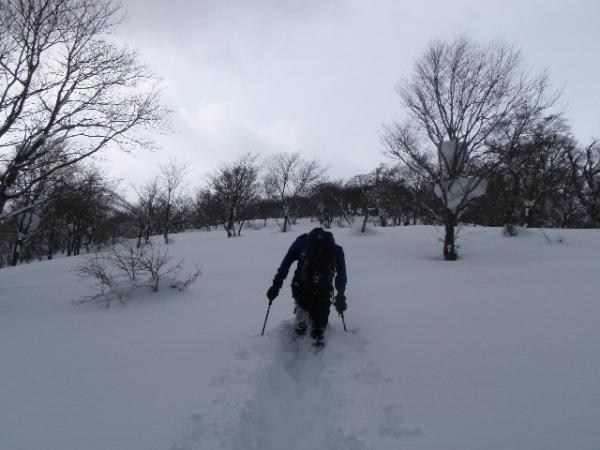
317,263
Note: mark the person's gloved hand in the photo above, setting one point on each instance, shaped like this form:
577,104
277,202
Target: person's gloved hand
340,303
272,293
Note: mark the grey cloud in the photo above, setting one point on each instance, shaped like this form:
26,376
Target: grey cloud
277,75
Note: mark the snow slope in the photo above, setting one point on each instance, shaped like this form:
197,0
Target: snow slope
500,350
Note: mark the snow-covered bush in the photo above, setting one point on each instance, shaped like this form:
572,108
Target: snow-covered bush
108,284
156,262
117,273
183,284
510,230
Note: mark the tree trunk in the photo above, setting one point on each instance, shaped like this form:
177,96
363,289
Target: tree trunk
285,222
167,219
286,215
364,224
147,237
449,244
239,232
231,224
139,241
16,252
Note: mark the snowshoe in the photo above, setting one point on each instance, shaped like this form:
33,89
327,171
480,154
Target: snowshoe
318,343
300,329
318,338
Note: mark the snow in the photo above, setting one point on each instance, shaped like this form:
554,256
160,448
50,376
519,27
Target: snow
458,192
499,350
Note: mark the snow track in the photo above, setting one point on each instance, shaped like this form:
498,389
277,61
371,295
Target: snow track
281,393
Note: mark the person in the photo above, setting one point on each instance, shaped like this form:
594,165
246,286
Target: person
320,265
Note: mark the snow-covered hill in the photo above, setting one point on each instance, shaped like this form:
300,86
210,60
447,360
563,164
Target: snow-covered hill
500,350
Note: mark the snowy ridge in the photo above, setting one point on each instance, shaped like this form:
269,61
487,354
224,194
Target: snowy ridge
283,394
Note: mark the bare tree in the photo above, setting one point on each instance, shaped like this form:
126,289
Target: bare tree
145,210
530,131
206,209
117,272
65,91
586,169
370,185
234,186
460,92
74,209
25,214
542,169
289,176
329,200
171,178
156,261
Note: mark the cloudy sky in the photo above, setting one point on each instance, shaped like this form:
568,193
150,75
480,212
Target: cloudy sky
267,76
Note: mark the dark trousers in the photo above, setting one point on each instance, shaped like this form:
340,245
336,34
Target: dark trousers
317,308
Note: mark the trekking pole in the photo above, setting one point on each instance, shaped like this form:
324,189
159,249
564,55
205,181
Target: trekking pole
266,317
341,314
343,322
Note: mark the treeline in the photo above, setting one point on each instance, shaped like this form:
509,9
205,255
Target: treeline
80,209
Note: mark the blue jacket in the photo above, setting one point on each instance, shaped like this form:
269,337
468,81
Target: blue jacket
294,253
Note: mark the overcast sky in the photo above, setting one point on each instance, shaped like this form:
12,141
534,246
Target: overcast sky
267,76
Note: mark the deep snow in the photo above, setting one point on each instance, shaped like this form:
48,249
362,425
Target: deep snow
499,350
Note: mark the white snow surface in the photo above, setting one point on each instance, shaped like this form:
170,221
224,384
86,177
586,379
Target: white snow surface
499,350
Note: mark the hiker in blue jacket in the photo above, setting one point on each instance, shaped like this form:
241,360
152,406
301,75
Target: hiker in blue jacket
321,265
